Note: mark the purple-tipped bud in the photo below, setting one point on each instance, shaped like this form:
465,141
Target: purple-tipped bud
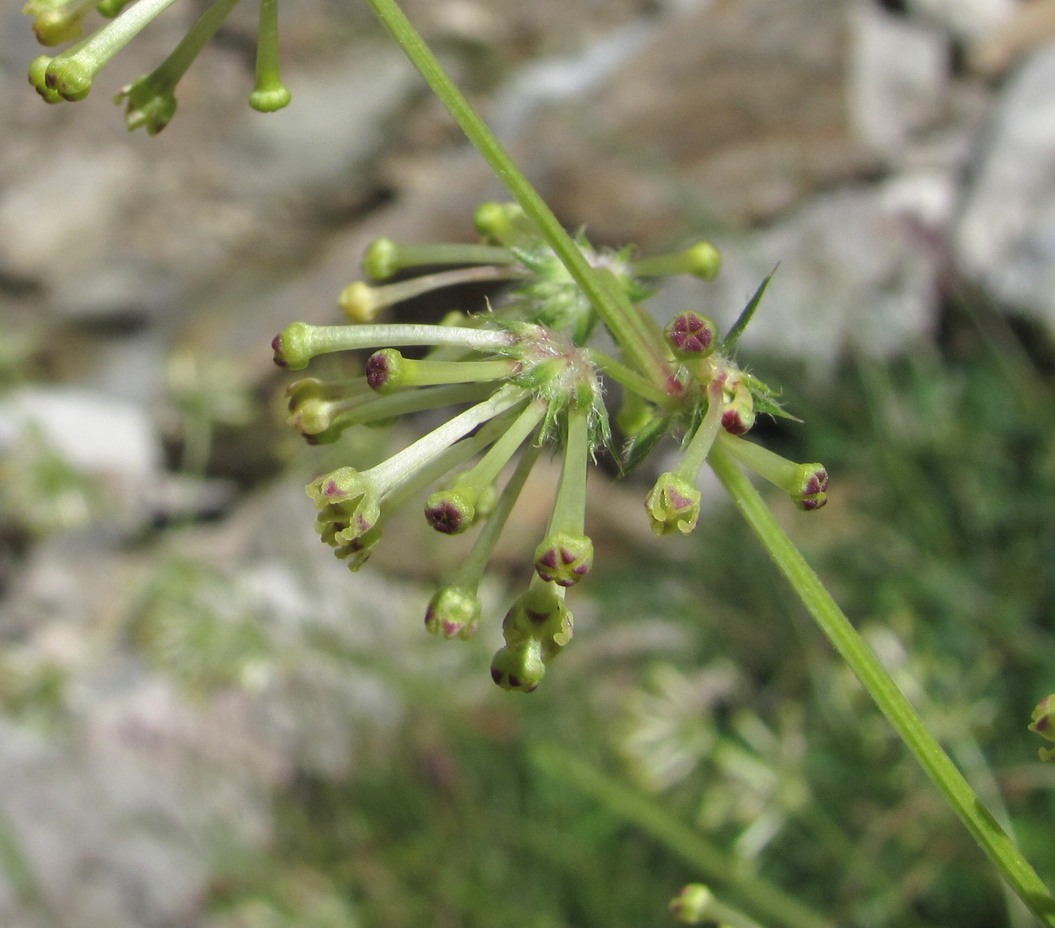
738,416
809,489
292,346
384,369
453,610
519,667
38,69
1044,724
564,559
450,511
673,504
691,336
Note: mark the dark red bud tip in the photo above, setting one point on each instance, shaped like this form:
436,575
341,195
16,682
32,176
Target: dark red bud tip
446,518
276,346
818,483
737,421
378,369
690,333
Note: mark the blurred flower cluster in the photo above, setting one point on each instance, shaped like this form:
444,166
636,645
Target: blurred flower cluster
519,377
150,100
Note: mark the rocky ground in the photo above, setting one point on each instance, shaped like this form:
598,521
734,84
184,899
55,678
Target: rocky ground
891,157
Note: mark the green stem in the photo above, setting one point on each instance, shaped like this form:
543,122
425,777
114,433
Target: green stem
648,357
884,692
754,894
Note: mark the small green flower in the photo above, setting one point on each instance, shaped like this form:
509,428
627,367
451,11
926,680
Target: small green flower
673,504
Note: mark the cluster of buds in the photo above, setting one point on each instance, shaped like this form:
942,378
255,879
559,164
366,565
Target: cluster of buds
519,377
150,100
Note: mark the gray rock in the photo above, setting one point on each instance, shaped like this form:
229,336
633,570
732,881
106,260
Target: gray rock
1004,237
853,273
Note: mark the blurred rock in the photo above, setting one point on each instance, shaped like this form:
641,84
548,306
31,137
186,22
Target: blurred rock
899,79
855,273
708,123
1004,237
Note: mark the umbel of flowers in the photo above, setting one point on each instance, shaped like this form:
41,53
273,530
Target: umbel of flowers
520,377
149,100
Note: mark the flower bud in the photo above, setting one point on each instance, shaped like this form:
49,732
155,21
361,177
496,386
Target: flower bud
38,70
519,667
564,559
1043,724
384,370
673,504
694,904
738,414
453,610
691,336
381,260
450,511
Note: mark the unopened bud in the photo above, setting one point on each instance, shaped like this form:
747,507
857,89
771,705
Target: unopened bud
564,559
691,336
519,667
453,610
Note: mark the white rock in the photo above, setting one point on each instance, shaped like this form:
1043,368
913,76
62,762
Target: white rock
852,272
95,433
898,78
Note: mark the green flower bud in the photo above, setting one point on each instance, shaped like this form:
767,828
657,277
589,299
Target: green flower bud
738,413
453,610
71,76
38,69
504,224
56,24
270,98
381,260
673,504
519,667
385,370
564,559
701,260
294,346
694,904
450,511
269,94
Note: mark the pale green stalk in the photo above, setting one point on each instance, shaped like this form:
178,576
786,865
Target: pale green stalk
884,692
600,289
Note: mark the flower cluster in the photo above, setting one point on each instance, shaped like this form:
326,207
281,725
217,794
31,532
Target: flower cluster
150,100
519,377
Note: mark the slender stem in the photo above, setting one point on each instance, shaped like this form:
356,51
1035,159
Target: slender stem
884,692
646,356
